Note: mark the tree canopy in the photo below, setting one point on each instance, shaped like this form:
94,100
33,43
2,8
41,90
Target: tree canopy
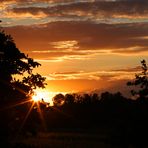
14,62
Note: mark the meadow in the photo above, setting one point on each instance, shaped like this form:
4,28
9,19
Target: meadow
93,139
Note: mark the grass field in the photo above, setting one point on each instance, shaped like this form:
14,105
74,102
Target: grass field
68,140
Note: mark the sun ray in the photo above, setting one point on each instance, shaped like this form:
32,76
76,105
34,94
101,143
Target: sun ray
16,104
27,115
41,116
24,121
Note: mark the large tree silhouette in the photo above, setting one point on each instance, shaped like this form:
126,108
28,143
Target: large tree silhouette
17,82
13,62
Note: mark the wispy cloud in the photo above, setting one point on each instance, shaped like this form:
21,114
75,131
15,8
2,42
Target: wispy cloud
112,75
81,39
91,9
65,44
98,81
110,11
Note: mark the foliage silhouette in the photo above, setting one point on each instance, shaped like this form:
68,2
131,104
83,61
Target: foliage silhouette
123,121
141,82
14,63
58,99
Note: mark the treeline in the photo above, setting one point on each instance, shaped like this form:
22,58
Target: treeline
90,110
120,119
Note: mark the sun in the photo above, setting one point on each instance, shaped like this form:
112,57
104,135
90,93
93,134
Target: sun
43,96
36,97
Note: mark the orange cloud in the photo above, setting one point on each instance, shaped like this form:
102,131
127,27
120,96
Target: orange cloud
70,39
83,10
98,81
118,74
65,44
92,9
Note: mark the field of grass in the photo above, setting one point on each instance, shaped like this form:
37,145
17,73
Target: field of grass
68,140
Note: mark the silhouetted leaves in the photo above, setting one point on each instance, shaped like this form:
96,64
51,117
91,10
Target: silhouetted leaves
141,82
34,81
15,90
13,62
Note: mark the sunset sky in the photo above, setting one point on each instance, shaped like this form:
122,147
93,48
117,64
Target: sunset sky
83,45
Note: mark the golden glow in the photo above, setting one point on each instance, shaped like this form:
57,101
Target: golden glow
36,97
65,44
43,96
10,14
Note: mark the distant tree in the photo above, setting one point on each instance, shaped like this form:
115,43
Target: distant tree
58,99
86,99
95,98
106,96
69,99
141,82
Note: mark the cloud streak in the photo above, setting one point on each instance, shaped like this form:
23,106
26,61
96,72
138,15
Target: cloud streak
59,39
119,74
101,11
97,81
92,9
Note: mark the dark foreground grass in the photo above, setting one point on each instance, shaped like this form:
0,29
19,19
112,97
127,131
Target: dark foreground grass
69,140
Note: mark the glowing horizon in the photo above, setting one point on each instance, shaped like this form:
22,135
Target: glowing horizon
45,96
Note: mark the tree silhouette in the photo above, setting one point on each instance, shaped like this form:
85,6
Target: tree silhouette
58,99
13,90
69,99
13,62
141,82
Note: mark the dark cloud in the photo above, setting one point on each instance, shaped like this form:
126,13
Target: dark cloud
132,69
120,8
36,1
120,38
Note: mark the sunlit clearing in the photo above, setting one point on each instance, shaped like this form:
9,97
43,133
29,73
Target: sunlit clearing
44,96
